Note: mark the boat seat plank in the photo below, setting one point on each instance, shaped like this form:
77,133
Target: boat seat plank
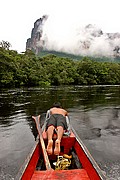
73,174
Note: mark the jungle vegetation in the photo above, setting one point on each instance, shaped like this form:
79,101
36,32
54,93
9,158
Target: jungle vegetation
27,69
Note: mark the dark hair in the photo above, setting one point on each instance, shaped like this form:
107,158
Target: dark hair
57,105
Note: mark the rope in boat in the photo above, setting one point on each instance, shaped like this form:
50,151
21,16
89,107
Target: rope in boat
63,162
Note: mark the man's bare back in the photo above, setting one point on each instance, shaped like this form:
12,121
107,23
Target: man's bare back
55,110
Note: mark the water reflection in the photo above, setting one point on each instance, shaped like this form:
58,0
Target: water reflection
94,113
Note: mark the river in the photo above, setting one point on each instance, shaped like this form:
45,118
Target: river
94,112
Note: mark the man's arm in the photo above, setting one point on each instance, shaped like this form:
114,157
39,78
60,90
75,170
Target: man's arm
66,114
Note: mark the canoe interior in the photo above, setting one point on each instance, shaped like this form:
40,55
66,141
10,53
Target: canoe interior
82,166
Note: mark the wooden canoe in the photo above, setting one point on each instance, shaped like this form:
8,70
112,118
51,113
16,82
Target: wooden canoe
83,166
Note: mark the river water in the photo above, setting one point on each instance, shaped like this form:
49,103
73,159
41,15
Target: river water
94,112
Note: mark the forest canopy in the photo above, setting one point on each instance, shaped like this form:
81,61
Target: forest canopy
26,69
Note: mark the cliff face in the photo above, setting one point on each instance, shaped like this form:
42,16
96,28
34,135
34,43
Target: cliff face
90,35
36,34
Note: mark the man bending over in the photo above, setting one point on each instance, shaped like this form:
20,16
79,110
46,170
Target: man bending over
56,121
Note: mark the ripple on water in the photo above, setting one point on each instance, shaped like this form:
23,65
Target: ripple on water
112,169
4,176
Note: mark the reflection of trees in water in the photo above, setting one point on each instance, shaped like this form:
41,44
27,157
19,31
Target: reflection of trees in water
35,101
113,126
84,124
83,97
93,123
114,119
92,131
7,108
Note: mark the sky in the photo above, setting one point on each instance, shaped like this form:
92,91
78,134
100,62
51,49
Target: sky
17,18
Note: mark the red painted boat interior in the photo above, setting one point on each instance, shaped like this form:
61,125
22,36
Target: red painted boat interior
87,172
61,174
86,163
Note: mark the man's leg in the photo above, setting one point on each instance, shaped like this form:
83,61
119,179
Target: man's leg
50,132
60,132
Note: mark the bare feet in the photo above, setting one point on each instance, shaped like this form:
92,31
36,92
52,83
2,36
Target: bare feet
50,147
57,147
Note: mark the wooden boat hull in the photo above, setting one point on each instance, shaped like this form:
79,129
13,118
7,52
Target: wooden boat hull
85,166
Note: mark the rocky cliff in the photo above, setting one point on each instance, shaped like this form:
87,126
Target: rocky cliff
34,42
93,39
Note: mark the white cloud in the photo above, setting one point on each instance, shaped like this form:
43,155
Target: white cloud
17,18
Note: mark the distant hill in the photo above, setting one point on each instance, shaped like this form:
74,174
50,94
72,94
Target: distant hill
75,57
60,54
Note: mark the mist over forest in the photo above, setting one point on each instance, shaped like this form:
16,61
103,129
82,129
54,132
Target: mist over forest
52,34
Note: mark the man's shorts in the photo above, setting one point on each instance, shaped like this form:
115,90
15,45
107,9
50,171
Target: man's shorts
57,120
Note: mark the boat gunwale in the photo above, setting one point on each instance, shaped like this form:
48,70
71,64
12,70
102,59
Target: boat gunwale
27,160
89,156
